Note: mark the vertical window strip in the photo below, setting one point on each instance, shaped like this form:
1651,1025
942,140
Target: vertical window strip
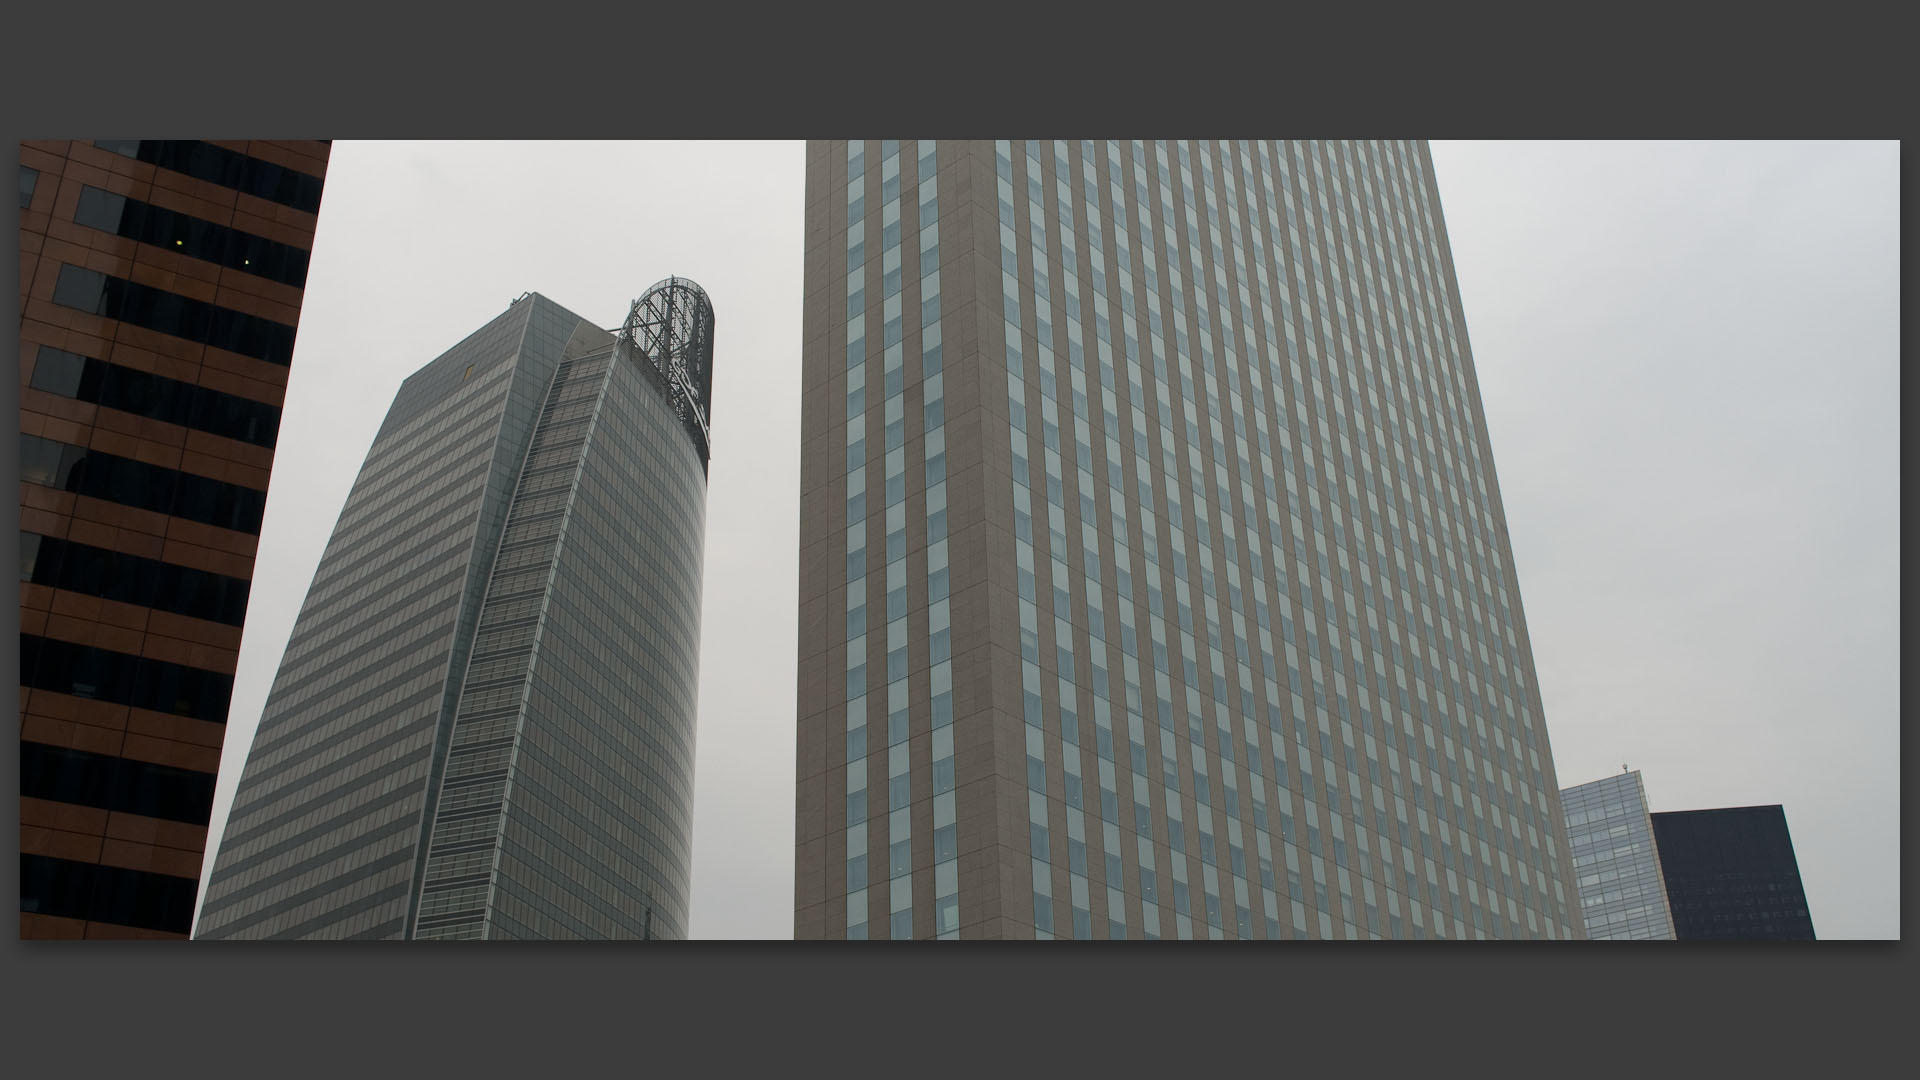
1247,246
893,411
1167,360
1300,359
1049,483
1232,695
1121,182
946,866
1210,477
1153,429
1042,884
857,808
1267,756
1084,850
1100,399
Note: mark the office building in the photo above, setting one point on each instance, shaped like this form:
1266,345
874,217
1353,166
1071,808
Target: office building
160,288
1615,863
1731,875
483,723
1154,576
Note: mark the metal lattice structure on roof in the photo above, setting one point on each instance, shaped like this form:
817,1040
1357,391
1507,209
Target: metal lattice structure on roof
672,326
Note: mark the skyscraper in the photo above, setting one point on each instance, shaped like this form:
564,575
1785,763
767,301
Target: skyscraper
483,723
161,283
1154,576
1615,861
1731,875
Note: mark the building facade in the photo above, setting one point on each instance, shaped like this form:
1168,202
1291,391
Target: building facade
1615,861
160,288
483,723
1731,875
1154,576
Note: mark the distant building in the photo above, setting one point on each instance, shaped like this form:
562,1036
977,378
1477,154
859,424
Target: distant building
483,723
160,288
1731,875
1615,862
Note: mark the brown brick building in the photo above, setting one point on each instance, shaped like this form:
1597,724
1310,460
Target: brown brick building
161,284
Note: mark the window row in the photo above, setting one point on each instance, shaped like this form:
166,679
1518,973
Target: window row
228,168
142,486
142,393
83,671
191,236
105,782
171,313
132,579
108,894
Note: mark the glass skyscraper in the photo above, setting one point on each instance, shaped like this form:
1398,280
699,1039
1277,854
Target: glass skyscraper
1154,576
483,723
1617,866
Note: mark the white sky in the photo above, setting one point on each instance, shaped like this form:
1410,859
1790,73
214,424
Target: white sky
1688,355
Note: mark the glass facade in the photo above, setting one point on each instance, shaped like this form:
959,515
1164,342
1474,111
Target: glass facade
1222,636
1731,875
483,722
1610,836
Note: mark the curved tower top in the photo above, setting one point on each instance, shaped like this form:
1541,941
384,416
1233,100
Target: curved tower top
672,326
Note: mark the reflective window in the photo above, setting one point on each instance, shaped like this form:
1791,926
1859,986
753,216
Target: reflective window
228,168
145,394
170,313
140,485
104,675
132,579
191,236
61,774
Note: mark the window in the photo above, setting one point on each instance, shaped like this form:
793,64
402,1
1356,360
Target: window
139,485
228,168
170,313
108,894
132,579
65,775
104,675
83,378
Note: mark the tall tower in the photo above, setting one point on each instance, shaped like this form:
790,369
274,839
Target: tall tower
483,724
1154,577
160,287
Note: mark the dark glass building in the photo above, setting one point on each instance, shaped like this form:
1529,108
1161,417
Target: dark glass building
160,286
1154,578
1731,875
483,723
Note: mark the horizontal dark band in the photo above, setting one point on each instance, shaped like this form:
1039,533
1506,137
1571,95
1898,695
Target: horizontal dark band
142,393
132,579
83,671
191,236
228,168
157,488
105,782
171,313
107,894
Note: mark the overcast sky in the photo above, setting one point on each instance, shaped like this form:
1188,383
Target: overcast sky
1688,355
